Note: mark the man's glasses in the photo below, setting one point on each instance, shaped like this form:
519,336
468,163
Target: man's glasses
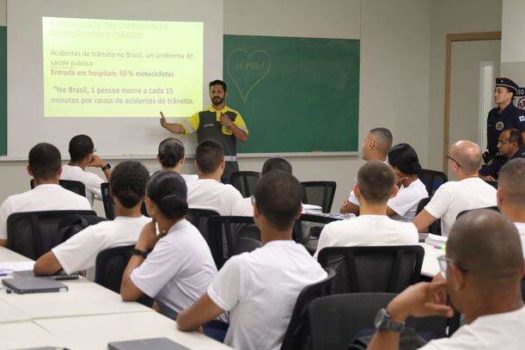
452,159
443,262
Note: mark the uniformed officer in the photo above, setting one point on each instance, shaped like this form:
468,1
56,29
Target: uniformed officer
510,146
505,116
219,122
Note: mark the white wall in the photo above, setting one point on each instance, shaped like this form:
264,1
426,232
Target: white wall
512,48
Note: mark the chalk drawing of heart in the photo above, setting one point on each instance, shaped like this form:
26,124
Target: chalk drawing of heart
248,70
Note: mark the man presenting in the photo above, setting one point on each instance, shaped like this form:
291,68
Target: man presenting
219,123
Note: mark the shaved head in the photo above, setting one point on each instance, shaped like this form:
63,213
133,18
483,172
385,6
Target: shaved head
383,140
511,182
467,154
487,246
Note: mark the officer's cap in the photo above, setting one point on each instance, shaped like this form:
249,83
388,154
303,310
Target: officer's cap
507,83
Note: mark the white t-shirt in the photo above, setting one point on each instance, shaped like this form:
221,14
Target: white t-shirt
521,230
80,251
189,177
212,194
178,270
406,200
41,198
498,331
243,207
453,197
260,290
367,230
90,180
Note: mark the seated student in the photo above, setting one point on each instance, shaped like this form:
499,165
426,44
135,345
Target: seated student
376,146
483,268
375,185
176,266
244,207
171,157
208,191
511,194
82,153
403,207
451,198
127,184
509,146
260,288
45,167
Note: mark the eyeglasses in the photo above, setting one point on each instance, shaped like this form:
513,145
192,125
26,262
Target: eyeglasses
452,159
443,262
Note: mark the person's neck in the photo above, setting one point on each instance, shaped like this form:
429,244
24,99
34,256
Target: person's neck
219,107
408,180
491,303
463,176
39,182
513,213
269,234
164,224
128,212
80,164
366,208
210,176
376,156
176,169
502,106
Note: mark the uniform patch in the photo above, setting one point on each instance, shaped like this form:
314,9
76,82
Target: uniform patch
500,126
522,118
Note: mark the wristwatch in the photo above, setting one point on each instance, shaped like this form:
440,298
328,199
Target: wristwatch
140,253
106,167
383,322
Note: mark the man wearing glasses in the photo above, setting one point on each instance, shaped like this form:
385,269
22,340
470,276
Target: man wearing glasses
451,198
510,146
483,268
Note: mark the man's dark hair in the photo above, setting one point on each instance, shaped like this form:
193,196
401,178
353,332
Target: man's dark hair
487,245
404,157
278,196
511,181
514,136
45,161
169,193
80,147
276,163
376,181
218,82
171,152
128,182
209,156
383,138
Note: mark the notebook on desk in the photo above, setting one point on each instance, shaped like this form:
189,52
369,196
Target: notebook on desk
146,344
25,285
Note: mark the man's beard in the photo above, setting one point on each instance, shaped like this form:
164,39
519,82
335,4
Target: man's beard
217,100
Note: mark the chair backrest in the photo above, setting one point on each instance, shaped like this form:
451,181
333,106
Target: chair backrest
199,218
232,235
495,208
296,335
432,179
319,193
109,206
245,181
435,227
33,234
379,269
74,186
308,229
109,268
336,319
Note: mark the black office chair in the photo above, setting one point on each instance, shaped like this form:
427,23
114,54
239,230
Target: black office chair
296,336
74,186
245,182
435,227
319,193
308,229
109,268
432,179
109,205
199,218
378,269
232,235
336,319
495,208
33,234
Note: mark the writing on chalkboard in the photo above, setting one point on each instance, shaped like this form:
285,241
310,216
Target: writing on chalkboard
247,70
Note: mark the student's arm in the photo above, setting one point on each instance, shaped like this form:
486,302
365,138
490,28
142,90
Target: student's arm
3,242
349,207
419,300
97,162
423,220
202,311
390,212
172,127
47,264
239,133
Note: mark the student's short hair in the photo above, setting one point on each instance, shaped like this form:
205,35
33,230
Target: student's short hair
376,180
169,193
218,82
45,161
171,152
404,157
80,147
128,182
511,181
276,163
514,136
209,156
383,138
278,195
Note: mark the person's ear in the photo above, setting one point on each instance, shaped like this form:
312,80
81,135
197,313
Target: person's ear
357,191
299,212
371,143
500,197
151,208
256,212
59,171
226,94
394,191
456,276
28,168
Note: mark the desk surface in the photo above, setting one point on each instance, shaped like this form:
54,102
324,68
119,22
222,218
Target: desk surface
430,266
7,255
23,335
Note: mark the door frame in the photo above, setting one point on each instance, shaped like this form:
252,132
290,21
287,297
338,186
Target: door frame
455,37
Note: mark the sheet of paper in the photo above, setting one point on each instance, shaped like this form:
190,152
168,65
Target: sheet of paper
6,268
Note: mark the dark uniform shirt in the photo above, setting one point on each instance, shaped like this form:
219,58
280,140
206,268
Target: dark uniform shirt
510,117
494,166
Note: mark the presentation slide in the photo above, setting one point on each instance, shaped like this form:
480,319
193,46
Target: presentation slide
118,68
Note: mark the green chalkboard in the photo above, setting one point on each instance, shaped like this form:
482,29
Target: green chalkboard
3,90
296,94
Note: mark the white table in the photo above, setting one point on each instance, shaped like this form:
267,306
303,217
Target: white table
9,313
22,335
430,264
7,255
